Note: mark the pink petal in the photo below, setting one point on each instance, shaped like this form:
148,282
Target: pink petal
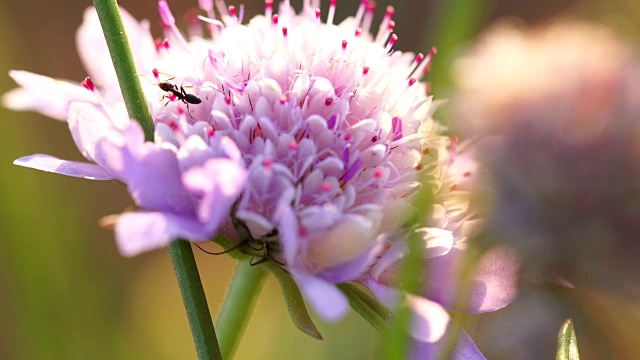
63,167
465,349
151,173
145,231
94,53
45,95
89,125
218,182
354,268
324,297
493,284
289,235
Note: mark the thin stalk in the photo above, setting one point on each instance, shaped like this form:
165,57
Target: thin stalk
238,305
184,264
122,58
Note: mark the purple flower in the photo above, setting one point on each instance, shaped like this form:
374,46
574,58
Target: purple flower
312,136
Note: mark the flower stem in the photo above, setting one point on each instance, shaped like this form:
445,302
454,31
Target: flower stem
184,263
195,302
238,304
122,58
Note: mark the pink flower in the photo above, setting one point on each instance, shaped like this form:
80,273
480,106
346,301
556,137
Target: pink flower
311,136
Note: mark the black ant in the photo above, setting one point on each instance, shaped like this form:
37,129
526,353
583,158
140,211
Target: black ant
177,92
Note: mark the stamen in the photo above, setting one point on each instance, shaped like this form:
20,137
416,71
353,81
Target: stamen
423,69
268,8
318,14
162,44
415,64
404,92
170,21
384,25
241,14
387,32
368,16
332,12
87,83
232,13
392,41
360,13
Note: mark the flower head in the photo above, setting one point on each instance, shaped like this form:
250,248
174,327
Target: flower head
563,111
309,135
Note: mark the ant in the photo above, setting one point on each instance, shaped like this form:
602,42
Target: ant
177,92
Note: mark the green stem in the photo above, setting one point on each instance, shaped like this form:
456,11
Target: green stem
122,59
238,304
184,263
195,302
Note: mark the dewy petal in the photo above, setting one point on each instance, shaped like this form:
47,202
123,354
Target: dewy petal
465,349
151,173
145,231
493,284
218,182
430,319
63,167
48,96
94,53
325,298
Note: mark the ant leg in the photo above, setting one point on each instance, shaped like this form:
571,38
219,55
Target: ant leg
222,252
276,261
257,262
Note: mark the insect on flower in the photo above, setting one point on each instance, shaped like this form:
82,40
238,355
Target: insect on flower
175,92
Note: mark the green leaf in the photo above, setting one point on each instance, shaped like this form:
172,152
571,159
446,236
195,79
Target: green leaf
363,301
295,302
567,342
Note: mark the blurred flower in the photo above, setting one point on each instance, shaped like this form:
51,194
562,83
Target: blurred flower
561,109
309,135
492,284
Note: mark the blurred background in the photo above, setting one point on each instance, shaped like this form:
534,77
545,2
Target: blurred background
66,293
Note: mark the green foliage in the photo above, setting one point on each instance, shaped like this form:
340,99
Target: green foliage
567,342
